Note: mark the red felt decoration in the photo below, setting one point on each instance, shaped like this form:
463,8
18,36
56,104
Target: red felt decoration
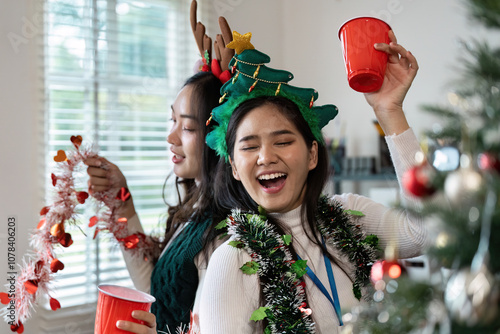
81,196
205,68
54,304
4,298
54,179
93,221
56,265
216,70
225,76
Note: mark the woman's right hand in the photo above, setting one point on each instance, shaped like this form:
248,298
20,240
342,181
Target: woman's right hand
103,176
148,318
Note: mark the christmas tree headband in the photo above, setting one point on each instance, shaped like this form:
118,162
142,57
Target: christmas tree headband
252,79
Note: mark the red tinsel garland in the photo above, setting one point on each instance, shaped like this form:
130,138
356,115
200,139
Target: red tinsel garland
39,267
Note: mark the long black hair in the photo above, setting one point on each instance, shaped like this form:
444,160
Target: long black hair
198,198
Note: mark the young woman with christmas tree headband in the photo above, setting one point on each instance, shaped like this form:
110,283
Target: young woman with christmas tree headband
295,258
175,274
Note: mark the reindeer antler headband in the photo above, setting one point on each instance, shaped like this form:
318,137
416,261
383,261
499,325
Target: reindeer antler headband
223,55
252,78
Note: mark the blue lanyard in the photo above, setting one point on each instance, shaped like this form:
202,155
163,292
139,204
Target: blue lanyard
335,301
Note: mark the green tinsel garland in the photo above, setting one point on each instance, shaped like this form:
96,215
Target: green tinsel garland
281,275
337,229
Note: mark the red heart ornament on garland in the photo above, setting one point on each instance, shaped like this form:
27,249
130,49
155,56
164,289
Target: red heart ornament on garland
93,221
31,286
61,156
41,223
54,179
76,140
56,265
65,240
54,304
82,196
17,328
44,210
38,267
4,298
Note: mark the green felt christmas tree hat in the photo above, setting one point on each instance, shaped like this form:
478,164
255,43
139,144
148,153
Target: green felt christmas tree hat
251,79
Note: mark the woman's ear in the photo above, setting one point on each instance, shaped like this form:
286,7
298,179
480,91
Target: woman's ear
235,171
313,155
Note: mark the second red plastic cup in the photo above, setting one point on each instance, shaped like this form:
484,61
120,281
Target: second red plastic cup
364,65
117,303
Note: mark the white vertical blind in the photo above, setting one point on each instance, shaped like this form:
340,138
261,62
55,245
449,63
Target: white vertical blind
112,69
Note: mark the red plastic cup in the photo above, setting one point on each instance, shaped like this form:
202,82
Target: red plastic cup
364,65
117,303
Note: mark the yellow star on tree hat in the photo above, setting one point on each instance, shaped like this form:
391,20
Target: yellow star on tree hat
241,42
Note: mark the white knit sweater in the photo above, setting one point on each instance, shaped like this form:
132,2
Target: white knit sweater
229,296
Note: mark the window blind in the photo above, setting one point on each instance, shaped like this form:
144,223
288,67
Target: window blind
112,68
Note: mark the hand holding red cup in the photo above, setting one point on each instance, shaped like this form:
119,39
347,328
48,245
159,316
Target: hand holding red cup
117,303
365,66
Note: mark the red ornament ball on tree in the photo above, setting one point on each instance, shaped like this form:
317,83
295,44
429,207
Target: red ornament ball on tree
489,162
416,181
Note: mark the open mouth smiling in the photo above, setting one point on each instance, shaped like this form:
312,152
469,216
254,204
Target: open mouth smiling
273,180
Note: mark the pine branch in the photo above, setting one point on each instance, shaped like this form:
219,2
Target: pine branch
445,112
486,12
484,66
449,134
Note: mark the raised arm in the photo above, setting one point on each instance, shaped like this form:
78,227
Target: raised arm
387,102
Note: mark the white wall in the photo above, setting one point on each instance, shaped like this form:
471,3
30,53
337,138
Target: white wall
20,191
264,19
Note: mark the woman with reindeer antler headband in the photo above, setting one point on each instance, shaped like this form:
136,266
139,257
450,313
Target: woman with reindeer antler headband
295,258
176,274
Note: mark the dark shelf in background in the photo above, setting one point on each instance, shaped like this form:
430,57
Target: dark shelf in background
338,179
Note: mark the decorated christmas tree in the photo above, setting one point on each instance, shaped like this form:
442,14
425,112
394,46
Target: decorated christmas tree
459,182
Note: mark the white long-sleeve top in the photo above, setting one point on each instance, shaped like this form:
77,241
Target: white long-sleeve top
229,296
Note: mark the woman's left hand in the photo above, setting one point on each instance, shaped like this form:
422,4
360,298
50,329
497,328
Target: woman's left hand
402,68
148,318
